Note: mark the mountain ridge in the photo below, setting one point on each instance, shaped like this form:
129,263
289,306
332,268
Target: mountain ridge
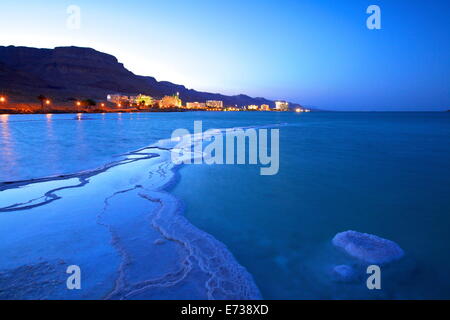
65,73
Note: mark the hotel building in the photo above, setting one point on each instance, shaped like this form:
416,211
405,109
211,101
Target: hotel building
281,106
265,107
143,100
214,104
195,105
170,101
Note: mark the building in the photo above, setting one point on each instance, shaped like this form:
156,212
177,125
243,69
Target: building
281,106
232,109
252,107
216,104
302,110
117,99
265,107
195,105
143,100
170,102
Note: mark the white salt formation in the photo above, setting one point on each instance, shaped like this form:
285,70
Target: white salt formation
344,273
367,247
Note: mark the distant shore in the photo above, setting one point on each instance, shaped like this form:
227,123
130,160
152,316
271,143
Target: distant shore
68,110
27,109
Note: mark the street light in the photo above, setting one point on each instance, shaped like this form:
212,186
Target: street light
47,102
2,99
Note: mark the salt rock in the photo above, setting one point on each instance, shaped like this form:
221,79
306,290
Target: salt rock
159,241
367,247
344,273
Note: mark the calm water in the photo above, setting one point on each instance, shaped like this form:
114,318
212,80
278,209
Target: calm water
381,173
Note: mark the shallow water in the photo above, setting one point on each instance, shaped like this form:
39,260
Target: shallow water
381,173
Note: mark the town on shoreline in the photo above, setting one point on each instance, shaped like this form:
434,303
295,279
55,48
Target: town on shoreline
138,103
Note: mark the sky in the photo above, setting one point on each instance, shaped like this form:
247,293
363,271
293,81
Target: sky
313,52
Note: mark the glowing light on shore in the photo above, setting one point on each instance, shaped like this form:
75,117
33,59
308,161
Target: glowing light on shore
298,110
78,103
2,99
102,104
47,102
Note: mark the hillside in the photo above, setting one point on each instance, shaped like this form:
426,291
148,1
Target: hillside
66,73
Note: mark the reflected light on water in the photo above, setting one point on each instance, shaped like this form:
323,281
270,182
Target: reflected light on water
4,117
7,155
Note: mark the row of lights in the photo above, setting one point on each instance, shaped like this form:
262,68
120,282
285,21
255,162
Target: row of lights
3,100
79,104
47,101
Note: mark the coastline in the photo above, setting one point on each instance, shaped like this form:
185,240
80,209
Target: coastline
64,110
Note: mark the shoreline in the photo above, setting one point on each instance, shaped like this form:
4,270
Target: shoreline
5,111
93,111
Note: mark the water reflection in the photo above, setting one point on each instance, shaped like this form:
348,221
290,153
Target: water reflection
51,144
80,145
8,157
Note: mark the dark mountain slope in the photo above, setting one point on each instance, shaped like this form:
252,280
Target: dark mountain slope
72,72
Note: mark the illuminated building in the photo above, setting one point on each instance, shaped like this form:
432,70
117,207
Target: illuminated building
265,107
143,100
214,104
117,98
195,105
170,102
281,106
252,107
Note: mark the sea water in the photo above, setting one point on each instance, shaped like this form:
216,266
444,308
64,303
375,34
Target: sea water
382,173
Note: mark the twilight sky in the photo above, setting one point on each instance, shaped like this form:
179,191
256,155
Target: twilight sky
314,52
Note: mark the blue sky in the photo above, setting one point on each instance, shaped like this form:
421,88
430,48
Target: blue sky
315,52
